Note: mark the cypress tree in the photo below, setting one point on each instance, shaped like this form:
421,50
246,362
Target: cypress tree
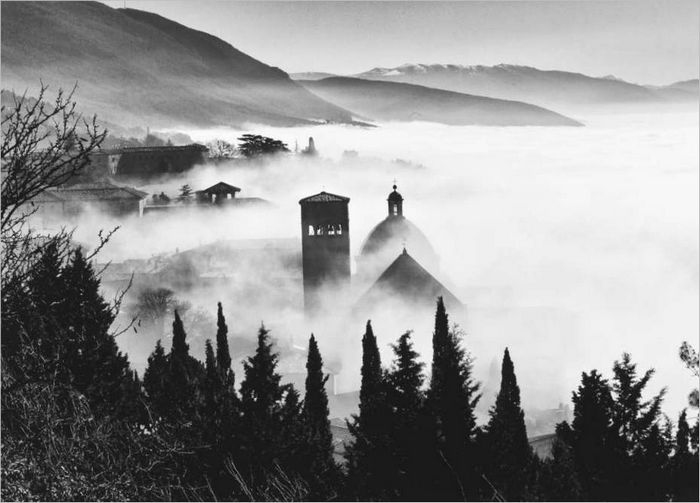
261,401
212,384
509,452
369,462
185,374
223,357
156,380
409,441
180,350
451,399
592,442
319,466
292,442
371,384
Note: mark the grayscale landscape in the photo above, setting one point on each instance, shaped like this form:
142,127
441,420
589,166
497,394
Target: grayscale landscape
355,251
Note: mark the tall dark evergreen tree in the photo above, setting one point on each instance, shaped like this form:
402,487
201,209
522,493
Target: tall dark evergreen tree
156,381
592,439
451,399
509,453
99,369
292,441
186,374
684,464
558,479
319,468
409,438
368,457
223,356
261,405
213,388
637,435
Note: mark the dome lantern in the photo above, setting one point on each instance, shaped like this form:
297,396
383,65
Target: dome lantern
395,201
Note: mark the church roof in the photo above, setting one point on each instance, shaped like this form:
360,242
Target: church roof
406,279
325,197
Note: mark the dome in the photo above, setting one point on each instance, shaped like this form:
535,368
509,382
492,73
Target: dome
389,238
386,241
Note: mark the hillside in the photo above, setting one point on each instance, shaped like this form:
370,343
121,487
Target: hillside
311,75
686,90
524,83
137,68
391,101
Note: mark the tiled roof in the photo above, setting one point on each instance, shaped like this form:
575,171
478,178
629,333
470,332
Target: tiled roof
325,197
220,187
99,191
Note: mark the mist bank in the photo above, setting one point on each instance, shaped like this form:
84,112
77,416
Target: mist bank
568,245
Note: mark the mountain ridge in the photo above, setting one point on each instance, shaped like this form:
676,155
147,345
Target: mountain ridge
136,67
381,100
548,88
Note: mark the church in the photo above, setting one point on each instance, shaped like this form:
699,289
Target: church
396,262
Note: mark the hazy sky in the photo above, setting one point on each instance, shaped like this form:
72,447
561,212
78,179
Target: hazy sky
645,41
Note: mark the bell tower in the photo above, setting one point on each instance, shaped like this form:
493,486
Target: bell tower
325,245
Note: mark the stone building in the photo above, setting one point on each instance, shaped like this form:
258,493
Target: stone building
145,162
64,203
219,193
325,245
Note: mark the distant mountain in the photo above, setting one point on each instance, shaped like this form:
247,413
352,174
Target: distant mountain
137,68
311,75
692,85
686,90
524,83
390,101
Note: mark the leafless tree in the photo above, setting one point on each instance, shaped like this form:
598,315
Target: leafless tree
45,143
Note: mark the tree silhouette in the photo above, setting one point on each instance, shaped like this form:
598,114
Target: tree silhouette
451,399
509,451
319,469
409,439
368,457
255,145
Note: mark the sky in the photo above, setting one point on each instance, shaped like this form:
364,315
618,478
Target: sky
643,41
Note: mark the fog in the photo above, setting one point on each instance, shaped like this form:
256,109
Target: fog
567,245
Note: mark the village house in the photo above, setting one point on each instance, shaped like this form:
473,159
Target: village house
146,162
219,195
67,202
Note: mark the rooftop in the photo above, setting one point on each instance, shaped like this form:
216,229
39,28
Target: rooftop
405,278
97,191
218,188
324,197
